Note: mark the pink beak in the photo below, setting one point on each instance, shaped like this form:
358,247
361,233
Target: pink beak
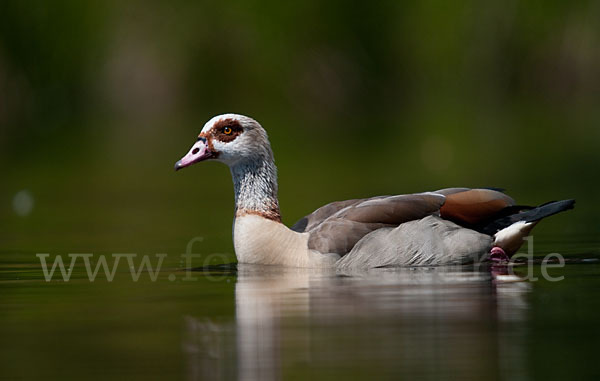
198,152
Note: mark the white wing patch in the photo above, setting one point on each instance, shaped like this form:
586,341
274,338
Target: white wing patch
511,237
511,232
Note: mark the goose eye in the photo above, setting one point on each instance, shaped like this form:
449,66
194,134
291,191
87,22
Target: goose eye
227,131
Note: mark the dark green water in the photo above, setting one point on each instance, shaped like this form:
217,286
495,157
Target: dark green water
270,323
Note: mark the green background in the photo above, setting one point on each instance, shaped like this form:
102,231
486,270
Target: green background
99,99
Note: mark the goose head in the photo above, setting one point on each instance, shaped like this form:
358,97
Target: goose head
231,139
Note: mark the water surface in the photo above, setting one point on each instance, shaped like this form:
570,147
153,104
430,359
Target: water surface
261,322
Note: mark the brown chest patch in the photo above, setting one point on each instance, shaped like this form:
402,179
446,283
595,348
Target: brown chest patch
270,214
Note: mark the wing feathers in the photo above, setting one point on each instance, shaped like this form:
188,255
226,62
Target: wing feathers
394,210
475,206
318,216
337,227
339,232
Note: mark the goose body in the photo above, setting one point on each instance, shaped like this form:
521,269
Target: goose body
448,226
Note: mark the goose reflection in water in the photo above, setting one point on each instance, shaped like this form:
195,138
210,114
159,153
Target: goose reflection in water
432,322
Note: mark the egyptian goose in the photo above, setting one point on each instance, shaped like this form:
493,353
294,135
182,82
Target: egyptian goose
448,226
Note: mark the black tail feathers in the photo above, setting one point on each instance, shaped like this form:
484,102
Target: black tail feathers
529,215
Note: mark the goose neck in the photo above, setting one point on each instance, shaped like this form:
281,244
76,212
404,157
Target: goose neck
255,186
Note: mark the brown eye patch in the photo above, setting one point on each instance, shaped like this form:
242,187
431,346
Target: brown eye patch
226,130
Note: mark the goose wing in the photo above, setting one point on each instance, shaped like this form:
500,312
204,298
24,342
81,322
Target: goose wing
475,208
309,222
344,227
338,226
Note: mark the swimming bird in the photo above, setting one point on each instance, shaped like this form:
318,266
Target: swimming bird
447,226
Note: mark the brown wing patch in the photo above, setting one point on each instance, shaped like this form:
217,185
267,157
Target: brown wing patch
474,206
